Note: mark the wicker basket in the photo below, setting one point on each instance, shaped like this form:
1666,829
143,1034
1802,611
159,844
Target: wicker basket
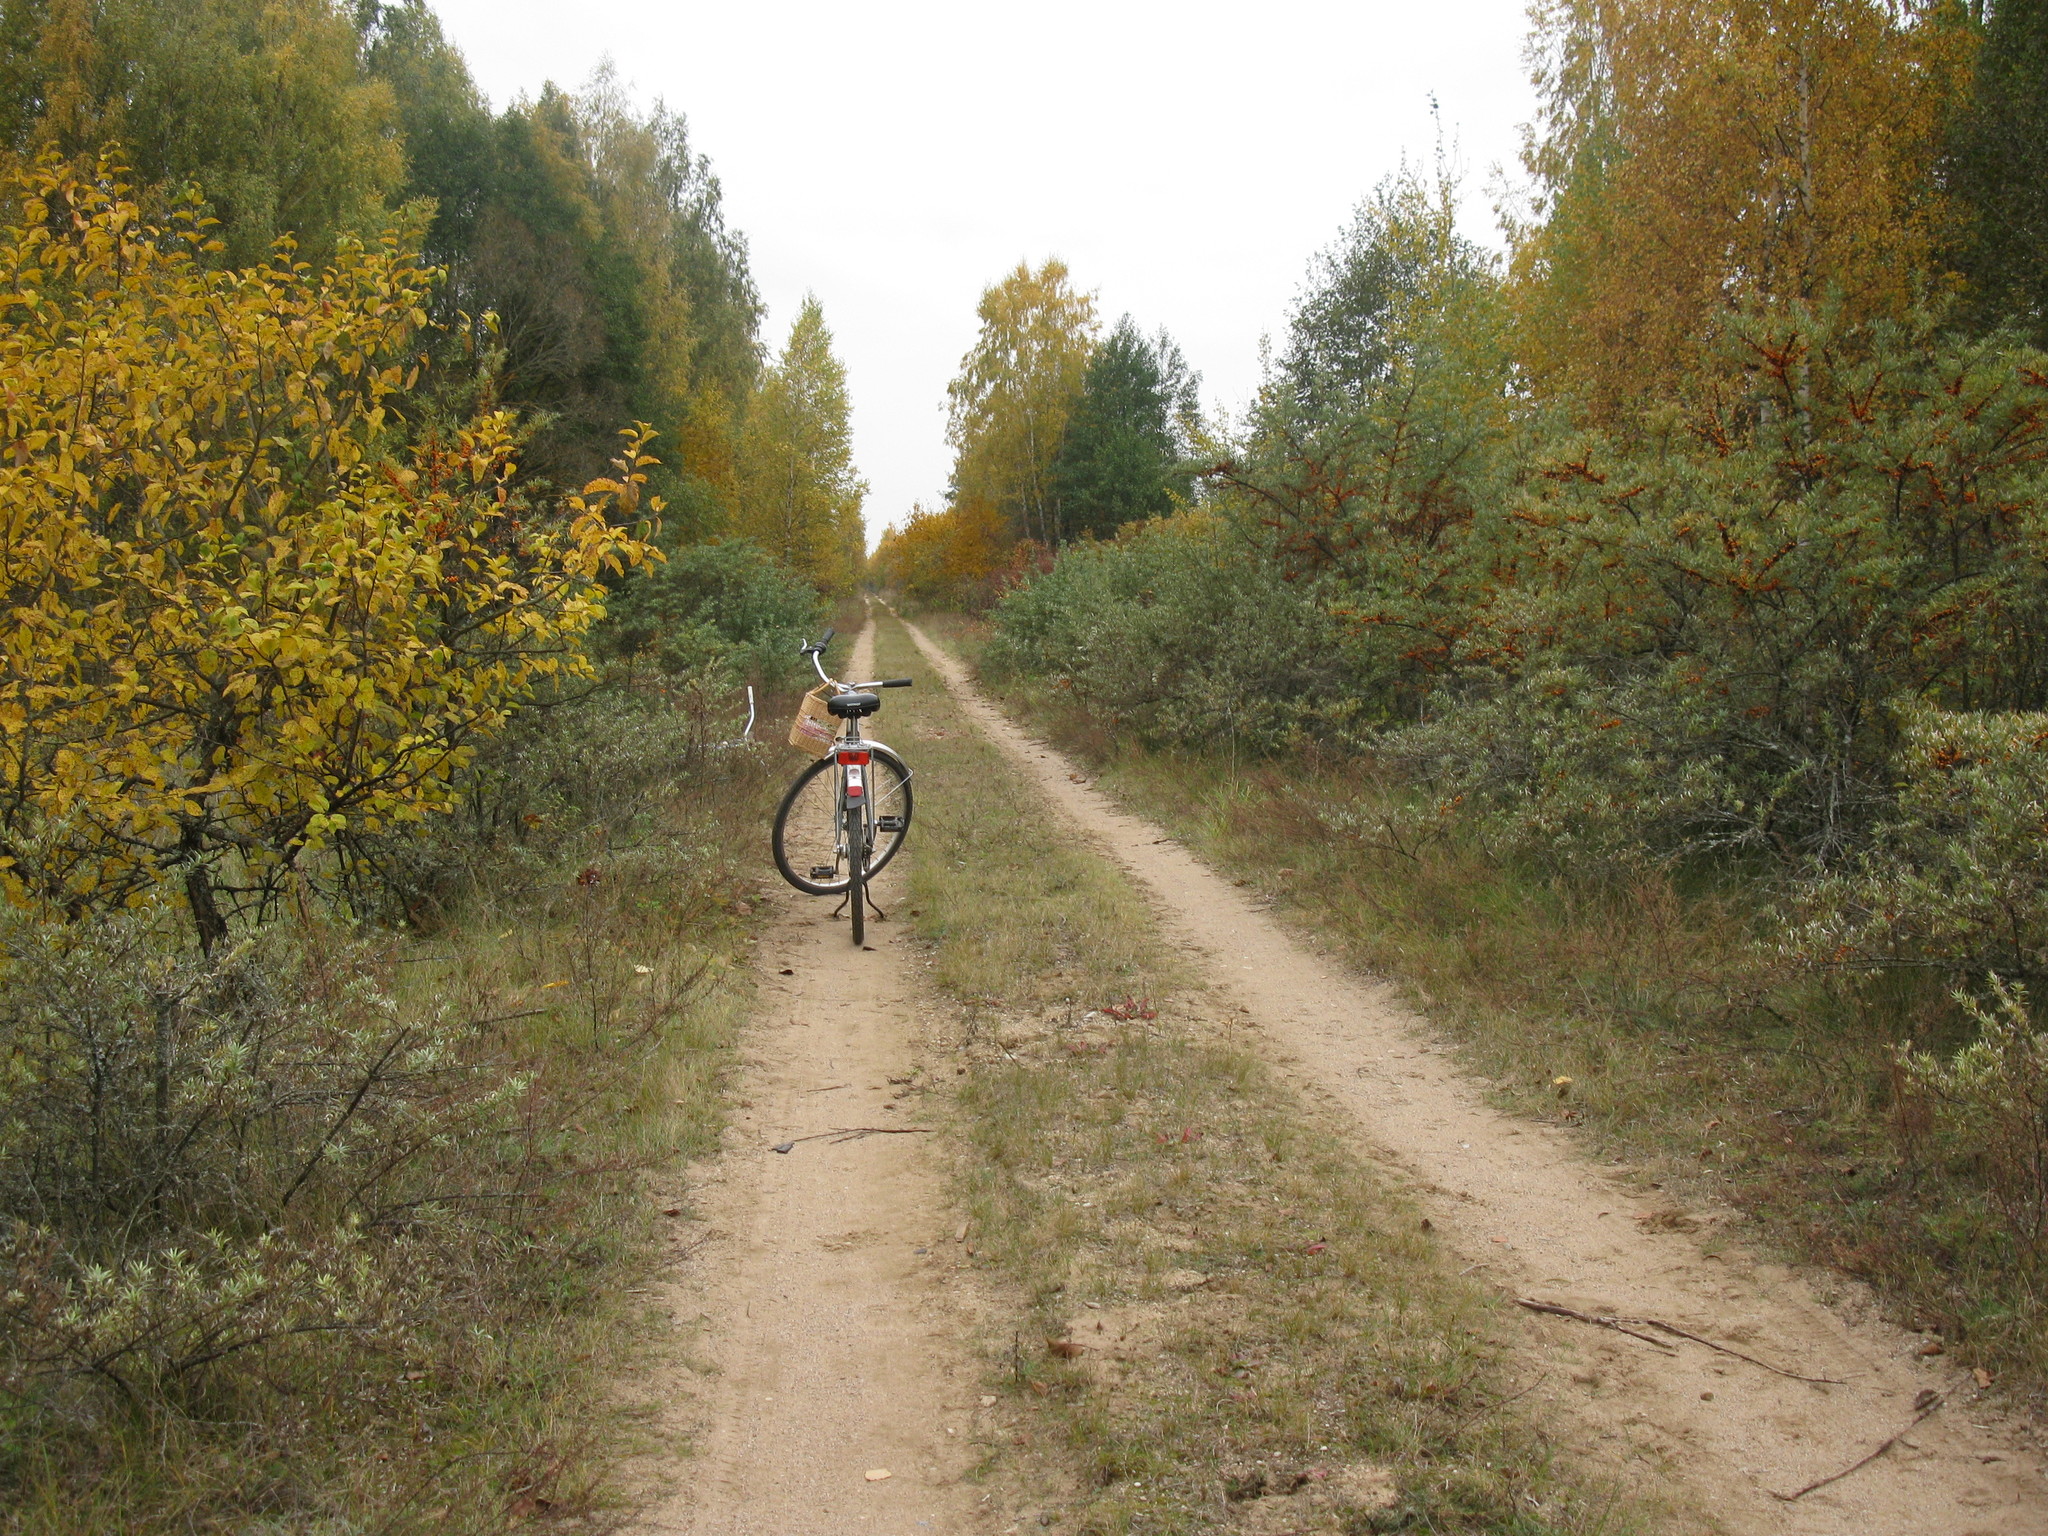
814,729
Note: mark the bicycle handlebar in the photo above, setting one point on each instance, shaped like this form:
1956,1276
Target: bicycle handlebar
815,649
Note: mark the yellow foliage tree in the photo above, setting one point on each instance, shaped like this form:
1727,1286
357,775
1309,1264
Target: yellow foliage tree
1012,396
1696,154
799,497
945,556
244,621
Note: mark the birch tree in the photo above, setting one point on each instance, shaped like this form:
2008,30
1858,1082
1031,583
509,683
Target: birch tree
800,498
1692,157
1013,394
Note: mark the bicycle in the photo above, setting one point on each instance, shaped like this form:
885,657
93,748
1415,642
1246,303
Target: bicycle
846,815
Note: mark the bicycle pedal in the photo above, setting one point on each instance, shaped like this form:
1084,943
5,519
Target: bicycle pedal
824,871
888,823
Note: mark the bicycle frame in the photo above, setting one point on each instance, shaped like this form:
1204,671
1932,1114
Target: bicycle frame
855,755
864,835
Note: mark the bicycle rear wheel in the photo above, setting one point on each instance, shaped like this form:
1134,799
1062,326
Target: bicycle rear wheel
857,886
809,841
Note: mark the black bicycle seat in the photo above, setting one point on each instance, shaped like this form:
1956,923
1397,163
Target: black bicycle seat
853,705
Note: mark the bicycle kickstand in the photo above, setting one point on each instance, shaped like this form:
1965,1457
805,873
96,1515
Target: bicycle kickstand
879,913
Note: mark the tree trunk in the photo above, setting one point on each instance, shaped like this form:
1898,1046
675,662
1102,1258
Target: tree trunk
206,918
206,915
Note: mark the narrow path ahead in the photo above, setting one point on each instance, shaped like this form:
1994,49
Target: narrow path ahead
833,1318
1715,1435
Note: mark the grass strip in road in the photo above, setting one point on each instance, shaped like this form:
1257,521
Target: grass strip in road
1226,1316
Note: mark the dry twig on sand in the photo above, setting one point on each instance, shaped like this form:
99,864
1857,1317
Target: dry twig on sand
1617,1324
1775,1370
1620,1325
1928,1402
840,1133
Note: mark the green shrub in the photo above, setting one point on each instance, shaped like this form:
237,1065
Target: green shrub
1988,1105
1179,632
1739,594
1573,772
571,775
725,605
1957,875
201,1161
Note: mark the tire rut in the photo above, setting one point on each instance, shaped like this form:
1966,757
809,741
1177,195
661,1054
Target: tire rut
831,1321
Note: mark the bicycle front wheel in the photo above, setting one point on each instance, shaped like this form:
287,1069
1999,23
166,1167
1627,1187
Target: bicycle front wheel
810,843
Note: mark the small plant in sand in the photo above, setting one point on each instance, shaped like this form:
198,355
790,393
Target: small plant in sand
1989,1103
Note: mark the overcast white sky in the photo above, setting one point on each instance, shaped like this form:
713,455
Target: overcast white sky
1185,159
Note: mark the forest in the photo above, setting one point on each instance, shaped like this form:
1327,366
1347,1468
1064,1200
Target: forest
1634,634
1630,636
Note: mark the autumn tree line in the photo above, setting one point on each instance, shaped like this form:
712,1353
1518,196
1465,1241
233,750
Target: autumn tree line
587,274
1696,524
1060,432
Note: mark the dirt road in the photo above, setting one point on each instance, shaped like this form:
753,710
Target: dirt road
823,1280
1719,1437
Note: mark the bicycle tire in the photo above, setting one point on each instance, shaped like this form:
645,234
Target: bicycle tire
809,826
857,885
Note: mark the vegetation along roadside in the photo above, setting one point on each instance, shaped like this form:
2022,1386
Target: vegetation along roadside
1648,1013
376,865
1633,637
1220,1305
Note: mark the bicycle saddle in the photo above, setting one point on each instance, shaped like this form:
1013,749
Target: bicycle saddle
853,705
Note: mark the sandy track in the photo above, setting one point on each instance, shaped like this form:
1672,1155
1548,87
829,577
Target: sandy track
1713,1435
832,1313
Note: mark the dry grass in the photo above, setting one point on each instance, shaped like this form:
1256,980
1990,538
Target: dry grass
1717,1071
1229,1322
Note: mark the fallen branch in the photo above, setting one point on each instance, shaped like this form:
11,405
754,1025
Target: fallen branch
1619,1325
1927,1408
1775,1370
506,1018
855,1132
1615,1323
840,1133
